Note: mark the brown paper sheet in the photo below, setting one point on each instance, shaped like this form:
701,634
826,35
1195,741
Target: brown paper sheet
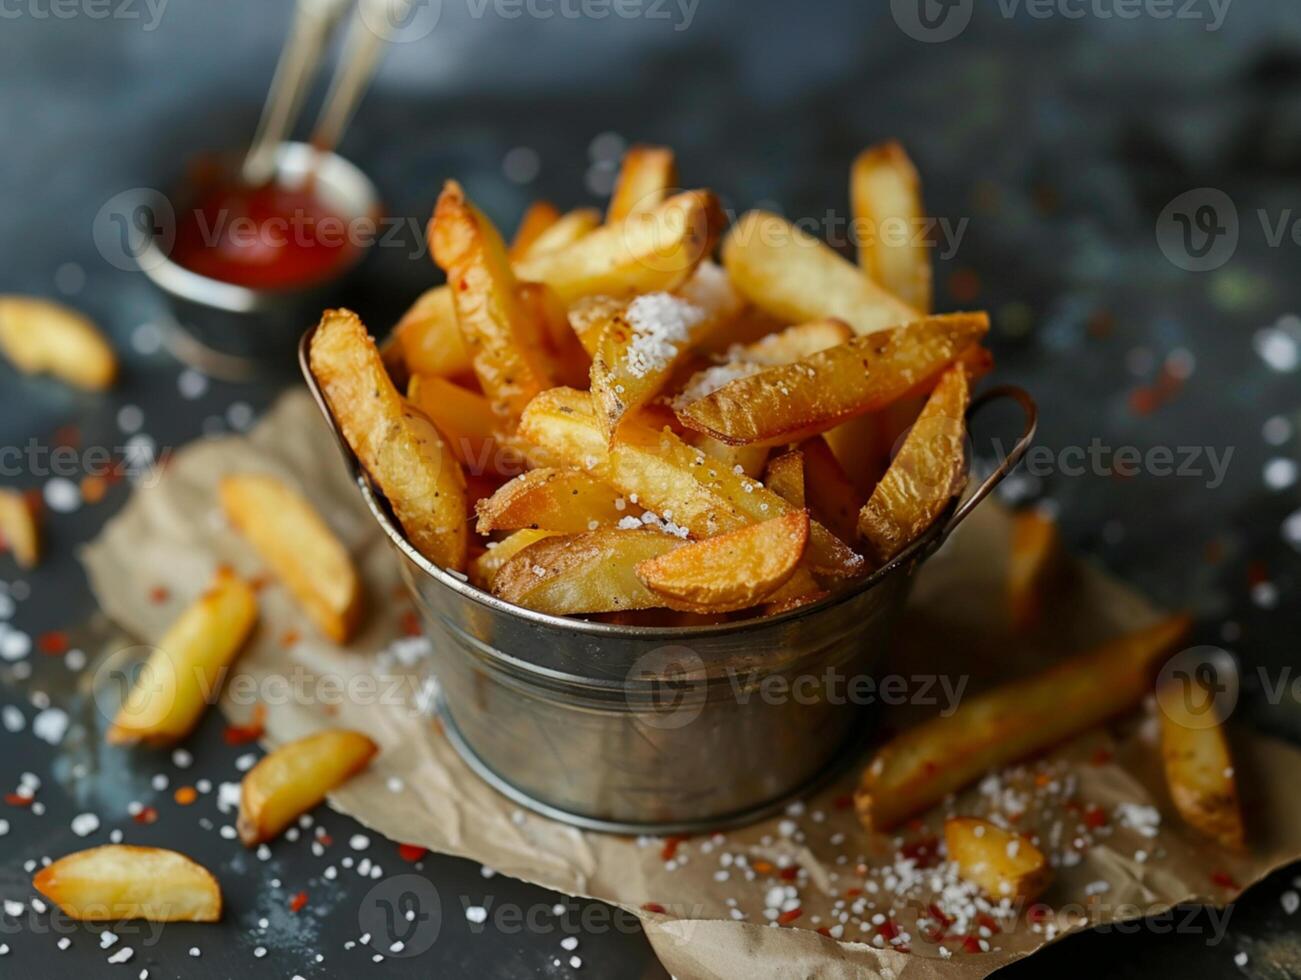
419,791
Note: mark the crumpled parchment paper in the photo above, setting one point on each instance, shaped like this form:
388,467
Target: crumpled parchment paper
418,791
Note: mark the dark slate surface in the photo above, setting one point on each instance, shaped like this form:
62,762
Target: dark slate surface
1058,140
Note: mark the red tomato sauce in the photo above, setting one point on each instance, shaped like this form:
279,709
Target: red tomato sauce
270,237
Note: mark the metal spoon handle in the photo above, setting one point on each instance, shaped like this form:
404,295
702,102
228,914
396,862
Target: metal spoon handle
314,21
357,65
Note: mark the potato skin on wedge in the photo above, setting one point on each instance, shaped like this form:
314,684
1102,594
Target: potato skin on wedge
1002,863
296,777
119,881
1199,770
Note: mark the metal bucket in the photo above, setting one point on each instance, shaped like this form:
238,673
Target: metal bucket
656,729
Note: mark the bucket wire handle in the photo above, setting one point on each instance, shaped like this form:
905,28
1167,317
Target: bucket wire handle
1009,462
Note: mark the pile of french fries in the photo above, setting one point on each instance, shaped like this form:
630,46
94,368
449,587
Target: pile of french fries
601,420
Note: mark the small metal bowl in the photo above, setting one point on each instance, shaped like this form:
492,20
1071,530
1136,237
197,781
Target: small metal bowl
653,729
232,330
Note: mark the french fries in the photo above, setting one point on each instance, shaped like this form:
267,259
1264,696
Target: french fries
1034,550
584,573
118,881
1001,863
565,231
290,536
731,571
648,175
928,472
483,570
295,778
507,357
399,447
466,422
810,396
795,343
43,337
429,339
562,501
885,195
20,528
540,216
180,678
918,768
1198,767
785,477
831,497
790,274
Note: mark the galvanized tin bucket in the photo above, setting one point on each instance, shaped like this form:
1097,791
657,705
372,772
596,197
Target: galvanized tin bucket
654,729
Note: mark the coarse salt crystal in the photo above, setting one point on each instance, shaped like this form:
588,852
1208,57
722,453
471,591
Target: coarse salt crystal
661,324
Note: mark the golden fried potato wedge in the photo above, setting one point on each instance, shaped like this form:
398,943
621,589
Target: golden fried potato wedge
290,536
465,420
119,881
928,472
538,217
589,315
648,175
649,252
785,477
584,573
296,777
786,404
20,528
731,571
428,338
507,356
790,274
399,447
483,570
183,674
1002,864
1034,550
563,501
564,232
885,195
1198,767
795,343
832,497
921,766
43,337
747,460
568,362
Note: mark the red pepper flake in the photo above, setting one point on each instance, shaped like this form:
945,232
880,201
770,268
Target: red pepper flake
54,643
937,913
248,732
853,892
18,799
1100,757
670,848
786,918
655,907
411,853
290,638
185,795
964,285
410,623
843,802
259,582
66,435
971,944
1038,913
824,931
159,594
297,903
148,814
1095,817
325,839
987,920
888,930
1224,880
789,873
93,488
925,851
763,867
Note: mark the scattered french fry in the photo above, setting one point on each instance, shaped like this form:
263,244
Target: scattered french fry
918,768
20,528
1003,864
1034,550
182,676
1198,767
786,404
790,274
290,536
562,501
731,571
649,174
584,573
886,198
928,472
540,216
118,881
43,337
399,447
296,777
509,362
